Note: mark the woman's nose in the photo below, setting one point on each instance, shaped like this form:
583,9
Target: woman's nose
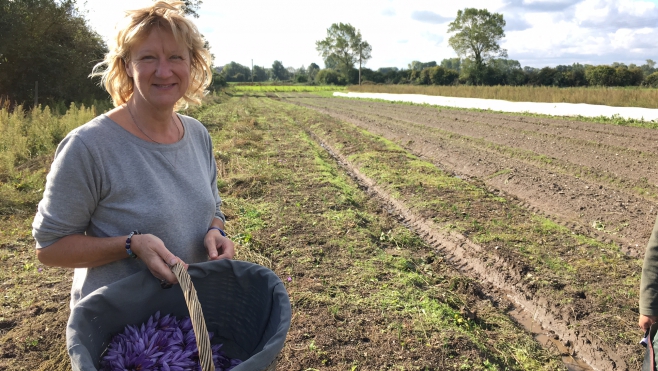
164,68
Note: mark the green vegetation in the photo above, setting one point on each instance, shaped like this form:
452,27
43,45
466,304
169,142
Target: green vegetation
552,262
286,88
477,36
47,46
620,97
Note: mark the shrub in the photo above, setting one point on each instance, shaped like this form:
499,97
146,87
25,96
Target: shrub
327,77
651,80
442,76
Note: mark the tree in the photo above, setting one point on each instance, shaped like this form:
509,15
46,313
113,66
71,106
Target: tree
419,66
327,77
478,33
279,72
191,7
343,47
235,72
48,42
312,70
260,74
365,53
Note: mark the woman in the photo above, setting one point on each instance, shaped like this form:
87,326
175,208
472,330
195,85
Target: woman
139,181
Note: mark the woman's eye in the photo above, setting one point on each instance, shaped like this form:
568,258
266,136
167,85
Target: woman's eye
176,57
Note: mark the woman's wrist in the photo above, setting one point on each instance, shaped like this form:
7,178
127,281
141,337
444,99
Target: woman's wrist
220,230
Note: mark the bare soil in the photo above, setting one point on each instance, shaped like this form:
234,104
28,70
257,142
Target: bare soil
597,323
598,179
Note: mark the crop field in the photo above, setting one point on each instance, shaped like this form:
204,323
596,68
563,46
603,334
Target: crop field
615,96
408,237
285,88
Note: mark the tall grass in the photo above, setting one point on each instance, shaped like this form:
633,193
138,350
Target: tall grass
621,97
287,88
26,135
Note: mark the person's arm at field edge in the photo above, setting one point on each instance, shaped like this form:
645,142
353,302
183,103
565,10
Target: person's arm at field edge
80,251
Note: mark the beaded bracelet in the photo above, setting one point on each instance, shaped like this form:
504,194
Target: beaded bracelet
128,241
221,231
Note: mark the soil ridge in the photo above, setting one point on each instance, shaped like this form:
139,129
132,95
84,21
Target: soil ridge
465,255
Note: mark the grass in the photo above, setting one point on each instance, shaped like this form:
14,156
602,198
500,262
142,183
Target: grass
614,120
621,97
559,260
326,234
286,88
367,293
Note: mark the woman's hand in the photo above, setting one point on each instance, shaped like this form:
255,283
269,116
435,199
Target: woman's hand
218,246
646,321
152,251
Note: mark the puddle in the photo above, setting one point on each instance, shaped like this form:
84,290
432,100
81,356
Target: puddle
547,340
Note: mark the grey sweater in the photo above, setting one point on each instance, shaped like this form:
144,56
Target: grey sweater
649,280
106,182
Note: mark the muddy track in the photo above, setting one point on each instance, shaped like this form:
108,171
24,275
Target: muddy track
596,179
499,274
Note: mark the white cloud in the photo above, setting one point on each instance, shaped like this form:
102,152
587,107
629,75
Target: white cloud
430,17
538,32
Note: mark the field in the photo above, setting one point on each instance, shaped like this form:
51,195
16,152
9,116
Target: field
621,97
409,237
285,88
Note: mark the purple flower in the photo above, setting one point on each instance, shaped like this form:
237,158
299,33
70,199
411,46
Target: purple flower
160,344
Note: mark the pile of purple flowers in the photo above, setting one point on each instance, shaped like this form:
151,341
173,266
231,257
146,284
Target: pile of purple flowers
161,344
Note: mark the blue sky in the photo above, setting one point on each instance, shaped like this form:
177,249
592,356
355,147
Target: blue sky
538,33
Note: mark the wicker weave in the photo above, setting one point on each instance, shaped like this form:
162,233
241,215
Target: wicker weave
196,316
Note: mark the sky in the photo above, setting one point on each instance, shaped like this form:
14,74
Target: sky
538,33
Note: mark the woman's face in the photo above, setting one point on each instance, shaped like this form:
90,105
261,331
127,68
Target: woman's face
160,68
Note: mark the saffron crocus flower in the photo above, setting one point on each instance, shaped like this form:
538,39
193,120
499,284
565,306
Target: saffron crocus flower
160,344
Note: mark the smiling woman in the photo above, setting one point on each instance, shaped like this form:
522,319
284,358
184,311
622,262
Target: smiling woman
140,180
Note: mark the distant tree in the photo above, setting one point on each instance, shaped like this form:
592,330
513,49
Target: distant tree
47,41
385,70
343,47
419,66
191,7
279,72
327,77
601,76
477,36
218,81
312,70
260,74
651,80
235,72
452,64
442,76
331,62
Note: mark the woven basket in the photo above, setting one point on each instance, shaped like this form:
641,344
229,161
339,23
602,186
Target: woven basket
244,304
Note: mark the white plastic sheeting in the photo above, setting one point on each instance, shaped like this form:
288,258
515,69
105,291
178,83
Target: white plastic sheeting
554,109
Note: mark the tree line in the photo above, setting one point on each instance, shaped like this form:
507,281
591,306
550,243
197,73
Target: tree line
47,50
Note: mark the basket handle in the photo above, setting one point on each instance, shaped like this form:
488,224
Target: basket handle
196,315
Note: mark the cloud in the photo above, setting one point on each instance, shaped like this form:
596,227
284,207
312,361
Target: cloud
429,17
541,5
514,22
436,39
389,12
404,41
616,14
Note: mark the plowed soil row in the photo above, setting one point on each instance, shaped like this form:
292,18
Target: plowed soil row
557,273
598,179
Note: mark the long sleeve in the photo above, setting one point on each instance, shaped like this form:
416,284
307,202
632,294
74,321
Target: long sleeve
72,192
649,282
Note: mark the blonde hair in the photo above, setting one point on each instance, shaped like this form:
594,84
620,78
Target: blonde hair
136,27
